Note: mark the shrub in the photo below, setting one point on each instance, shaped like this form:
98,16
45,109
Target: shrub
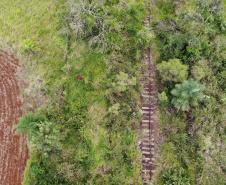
197,72
123,82
187,94
163,98
100,22
28,124
114,109
29,45
42,134
173,70
47,139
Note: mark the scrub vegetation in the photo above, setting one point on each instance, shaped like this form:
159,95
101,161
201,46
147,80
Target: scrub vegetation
82,66
190,41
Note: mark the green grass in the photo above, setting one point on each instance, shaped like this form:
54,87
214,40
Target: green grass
98,147
32,28
36,20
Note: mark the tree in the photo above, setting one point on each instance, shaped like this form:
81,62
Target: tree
28,124
173,70
123,82
197,73
187,94
42,134
47,138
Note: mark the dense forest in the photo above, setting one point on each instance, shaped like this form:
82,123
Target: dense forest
82,69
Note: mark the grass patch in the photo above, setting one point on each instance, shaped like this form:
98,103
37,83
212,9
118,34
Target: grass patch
70,82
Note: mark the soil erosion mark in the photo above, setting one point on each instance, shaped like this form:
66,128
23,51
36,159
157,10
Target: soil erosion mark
13,154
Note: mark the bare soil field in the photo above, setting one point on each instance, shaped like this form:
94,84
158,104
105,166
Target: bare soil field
13,148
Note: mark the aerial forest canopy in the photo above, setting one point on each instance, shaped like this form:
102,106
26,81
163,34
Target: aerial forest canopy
82,72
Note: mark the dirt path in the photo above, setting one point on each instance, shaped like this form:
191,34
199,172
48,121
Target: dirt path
149,124
13,154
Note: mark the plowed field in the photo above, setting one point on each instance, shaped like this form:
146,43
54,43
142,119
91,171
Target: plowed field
13,152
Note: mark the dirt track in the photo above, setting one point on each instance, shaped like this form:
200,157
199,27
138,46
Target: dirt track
13,154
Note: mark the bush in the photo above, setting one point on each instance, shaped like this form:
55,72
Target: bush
114,109
42,134
123,82
163,98
173,71
198,72
29,45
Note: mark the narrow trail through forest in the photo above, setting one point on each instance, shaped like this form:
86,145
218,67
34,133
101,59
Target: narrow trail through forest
149,124
13,148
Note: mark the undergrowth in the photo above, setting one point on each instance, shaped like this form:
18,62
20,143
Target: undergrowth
191,152
72,83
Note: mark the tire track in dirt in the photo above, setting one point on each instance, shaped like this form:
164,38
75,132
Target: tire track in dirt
13,157
149,124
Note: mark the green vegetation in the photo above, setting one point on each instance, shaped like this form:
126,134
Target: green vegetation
192,122
163,99
41,134
173,70
199,71
187,94
81,61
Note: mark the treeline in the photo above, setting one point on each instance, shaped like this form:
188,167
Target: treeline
190,40
85,127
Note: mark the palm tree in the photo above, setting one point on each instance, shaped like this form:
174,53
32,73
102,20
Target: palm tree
187,94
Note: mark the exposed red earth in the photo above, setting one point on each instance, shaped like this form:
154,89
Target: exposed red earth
13,148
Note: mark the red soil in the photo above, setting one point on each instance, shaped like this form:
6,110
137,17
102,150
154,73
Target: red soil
13,153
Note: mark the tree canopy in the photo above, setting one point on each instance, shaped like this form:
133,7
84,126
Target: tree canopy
187,94
173,70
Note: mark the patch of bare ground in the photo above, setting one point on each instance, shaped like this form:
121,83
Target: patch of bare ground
13,148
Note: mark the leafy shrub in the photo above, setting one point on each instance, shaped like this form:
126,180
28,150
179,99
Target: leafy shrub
198,72
47,139
29,45
123,82
188,36
167,7
42,134
114,109
163,98
187,94
173,70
